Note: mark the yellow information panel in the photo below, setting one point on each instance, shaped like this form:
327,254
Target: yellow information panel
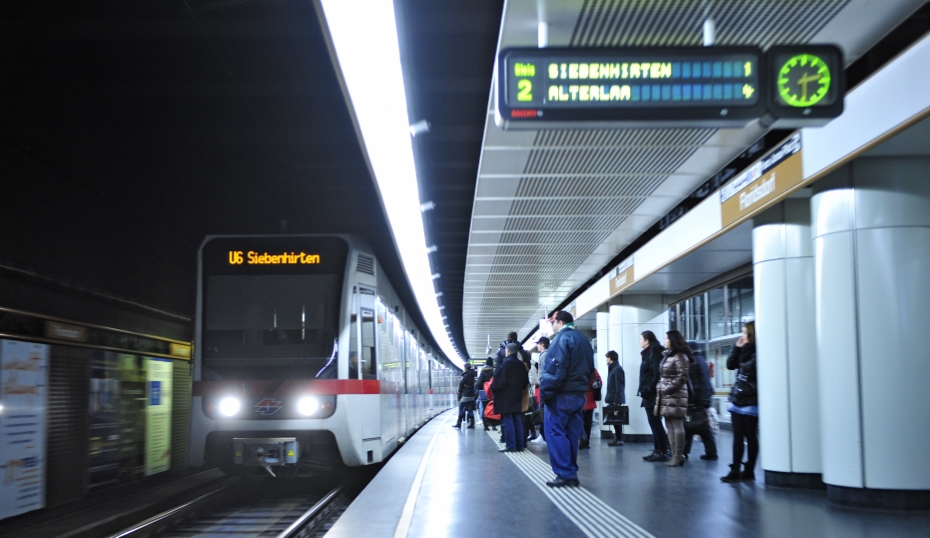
766,180
159,374
621,276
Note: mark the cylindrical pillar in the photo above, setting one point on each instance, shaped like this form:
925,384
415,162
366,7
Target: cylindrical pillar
635,314
786,345
871,239
603,344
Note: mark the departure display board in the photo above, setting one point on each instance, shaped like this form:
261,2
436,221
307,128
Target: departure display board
702,86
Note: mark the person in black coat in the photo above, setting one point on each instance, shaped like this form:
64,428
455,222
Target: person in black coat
699,423
487,372
652,355
508,388
616,390
502,350
744,405
466,395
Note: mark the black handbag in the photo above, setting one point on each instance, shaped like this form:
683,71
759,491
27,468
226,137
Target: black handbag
696,417
539,416
742,391
616,415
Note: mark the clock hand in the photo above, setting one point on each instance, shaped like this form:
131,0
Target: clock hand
803,83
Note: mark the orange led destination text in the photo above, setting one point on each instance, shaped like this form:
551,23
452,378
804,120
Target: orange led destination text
238,257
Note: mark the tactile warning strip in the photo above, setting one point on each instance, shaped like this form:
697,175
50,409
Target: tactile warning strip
592,516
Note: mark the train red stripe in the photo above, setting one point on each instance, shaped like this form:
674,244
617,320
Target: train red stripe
315,386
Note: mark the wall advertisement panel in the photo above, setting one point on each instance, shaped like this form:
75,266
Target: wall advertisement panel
23,389
159,373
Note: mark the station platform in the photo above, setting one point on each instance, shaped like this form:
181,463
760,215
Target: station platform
455,483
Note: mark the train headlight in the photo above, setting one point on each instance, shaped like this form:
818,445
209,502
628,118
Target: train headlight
308,405
229,406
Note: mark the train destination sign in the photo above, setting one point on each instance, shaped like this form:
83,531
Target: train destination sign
703,86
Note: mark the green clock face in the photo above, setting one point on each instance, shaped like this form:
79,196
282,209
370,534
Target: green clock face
804,80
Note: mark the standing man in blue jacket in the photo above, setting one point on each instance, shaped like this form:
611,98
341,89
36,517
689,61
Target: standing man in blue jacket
562,387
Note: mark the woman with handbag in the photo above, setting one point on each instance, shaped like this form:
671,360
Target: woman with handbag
591,397
744,405
616,391
672,393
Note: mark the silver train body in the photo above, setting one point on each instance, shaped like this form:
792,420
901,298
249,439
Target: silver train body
305,357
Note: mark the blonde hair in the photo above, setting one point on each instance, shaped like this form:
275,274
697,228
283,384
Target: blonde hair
751,332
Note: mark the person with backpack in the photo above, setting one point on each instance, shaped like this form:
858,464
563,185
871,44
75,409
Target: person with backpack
699,422
487,372
502,350
466,395
591,397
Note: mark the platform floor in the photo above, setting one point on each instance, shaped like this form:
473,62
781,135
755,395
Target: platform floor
467,488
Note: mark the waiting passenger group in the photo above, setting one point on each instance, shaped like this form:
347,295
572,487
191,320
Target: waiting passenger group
560,393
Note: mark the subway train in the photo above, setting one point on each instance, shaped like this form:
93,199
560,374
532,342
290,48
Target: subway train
305,358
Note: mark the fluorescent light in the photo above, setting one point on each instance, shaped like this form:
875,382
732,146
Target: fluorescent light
364,36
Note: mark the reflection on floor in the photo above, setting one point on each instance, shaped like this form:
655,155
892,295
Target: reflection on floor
470,489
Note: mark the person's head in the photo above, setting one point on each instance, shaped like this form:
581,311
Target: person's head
749,332
489,363
551,317
542,344
612,357
561,319
675,343
467,366
512,336
647,338
513,348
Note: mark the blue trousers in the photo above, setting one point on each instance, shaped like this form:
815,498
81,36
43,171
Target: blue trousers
512,424
563,429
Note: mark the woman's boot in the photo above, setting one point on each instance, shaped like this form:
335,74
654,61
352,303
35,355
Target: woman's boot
678,458
748,473
734,474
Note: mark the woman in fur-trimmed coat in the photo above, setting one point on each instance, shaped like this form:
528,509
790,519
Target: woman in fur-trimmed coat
672,393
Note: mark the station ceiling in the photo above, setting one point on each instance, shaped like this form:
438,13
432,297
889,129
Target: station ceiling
553,207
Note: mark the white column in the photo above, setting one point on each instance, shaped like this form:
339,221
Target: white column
600,362
786,344
871,239
635,314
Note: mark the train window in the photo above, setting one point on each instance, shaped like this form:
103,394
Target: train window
369,351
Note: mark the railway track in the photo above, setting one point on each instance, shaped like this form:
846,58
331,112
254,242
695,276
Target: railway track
282,510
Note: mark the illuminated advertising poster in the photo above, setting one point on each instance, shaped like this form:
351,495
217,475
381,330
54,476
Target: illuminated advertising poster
159,373
23,385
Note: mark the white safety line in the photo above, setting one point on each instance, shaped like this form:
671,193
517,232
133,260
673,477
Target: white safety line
592,516
406,516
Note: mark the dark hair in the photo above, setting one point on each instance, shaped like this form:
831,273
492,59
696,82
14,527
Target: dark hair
468,366
512,336
489,362
564,317
751,331
552,314
678,343
543,340
612,355
650,337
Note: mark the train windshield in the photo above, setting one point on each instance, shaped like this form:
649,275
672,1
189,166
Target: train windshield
270,326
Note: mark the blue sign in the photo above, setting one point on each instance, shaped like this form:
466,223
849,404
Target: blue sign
154,392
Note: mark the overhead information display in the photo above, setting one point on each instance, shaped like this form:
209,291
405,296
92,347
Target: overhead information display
714,86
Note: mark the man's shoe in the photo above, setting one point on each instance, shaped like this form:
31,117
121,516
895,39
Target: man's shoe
456,425
494,428
650,455
705,457
506,450
659,457
563,483
470,426
615,442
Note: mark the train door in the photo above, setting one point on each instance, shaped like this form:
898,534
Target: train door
363,356
391,376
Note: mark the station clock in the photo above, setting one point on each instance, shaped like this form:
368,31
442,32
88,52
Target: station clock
806,84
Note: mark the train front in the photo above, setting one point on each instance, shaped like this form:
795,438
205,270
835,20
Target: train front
266,370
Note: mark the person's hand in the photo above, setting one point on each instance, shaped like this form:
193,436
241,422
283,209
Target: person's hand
741,342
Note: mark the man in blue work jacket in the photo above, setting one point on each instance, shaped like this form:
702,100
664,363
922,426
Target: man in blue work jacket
562,387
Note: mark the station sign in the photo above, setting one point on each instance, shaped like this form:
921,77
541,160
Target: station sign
708,87
699,86
621,276
767,180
